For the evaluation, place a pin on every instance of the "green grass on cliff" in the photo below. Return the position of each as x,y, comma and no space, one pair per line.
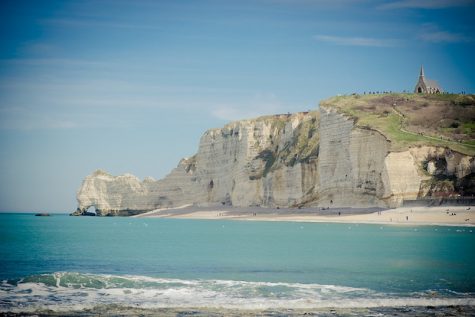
414,119
301,143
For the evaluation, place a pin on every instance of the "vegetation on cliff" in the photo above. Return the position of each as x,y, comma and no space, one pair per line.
302,147
414,119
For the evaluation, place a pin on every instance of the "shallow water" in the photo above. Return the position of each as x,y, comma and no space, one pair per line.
70,263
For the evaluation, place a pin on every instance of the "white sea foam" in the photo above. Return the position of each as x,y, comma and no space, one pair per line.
69,291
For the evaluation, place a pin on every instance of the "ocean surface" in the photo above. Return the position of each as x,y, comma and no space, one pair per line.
64,264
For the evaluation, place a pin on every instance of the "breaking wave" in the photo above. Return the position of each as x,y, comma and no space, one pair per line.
67,291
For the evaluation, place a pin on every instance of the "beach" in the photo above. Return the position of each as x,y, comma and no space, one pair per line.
441,215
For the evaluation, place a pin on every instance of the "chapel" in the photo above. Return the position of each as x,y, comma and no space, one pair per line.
426,86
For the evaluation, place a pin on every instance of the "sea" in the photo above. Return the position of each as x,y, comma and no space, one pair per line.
83,266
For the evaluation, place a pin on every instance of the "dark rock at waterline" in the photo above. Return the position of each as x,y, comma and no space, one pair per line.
108,213
42,214
80,212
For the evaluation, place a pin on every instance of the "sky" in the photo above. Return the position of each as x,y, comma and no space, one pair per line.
129,86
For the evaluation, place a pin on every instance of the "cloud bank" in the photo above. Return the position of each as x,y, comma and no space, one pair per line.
357,41
425,4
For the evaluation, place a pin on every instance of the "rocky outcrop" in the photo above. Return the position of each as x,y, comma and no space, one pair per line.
445,173
288,161
115,195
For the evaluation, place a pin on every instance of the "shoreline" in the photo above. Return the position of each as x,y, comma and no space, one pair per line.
414,216
383,311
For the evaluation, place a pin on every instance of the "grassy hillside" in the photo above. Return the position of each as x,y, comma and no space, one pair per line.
414,119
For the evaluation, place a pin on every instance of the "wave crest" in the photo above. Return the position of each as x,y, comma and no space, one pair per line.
67,291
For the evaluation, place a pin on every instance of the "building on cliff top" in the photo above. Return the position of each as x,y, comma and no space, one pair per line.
426,86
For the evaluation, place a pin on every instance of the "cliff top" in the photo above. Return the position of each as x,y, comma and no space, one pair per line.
278,120
414,119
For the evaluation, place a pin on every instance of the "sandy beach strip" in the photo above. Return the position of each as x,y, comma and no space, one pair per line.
124,311
442,215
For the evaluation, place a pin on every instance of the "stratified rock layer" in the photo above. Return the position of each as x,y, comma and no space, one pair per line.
351,163
287,161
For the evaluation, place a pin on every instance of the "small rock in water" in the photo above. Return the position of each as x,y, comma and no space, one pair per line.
42,214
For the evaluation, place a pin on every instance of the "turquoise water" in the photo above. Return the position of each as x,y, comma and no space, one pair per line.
73,262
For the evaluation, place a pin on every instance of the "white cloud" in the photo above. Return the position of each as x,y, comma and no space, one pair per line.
63,62
258,105
442,36
425,4
431,33
39,48
357,41
20,118
72,22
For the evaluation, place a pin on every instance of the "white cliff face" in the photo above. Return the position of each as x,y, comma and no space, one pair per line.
270,161
402,177
285,161
351,163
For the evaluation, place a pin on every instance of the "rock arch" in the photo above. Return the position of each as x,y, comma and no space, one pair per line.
87,211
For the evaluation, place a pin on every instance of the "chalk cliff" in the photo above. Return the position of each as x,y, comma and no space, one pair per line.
321,158
269,161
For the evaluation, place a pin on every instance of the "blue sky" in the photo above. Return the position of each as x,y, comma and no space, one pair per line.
130,85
